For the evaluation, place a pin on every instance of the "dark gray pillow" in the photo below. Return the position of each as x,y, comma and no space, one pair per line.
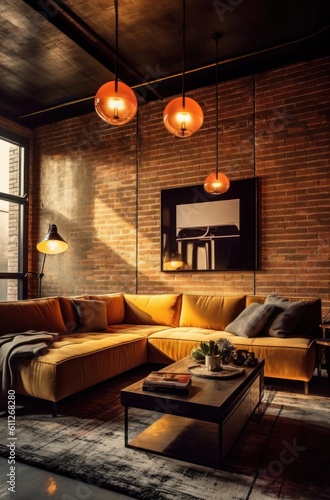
92,315
251,320
286,317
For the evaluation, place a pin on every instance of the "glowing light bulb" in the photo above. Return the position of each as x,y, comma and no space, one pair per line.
183,120
216,183
115,106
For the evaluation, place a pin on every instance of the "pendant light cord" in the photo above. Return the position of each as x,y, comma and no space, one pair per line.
116,46
254,167
216,37
183,51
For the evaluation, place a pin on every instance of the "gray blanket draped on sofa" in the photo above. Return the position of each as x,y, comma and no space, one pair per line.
14,347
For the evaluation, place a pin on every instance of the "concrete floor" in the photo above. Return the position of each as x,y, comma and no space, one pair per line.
33,483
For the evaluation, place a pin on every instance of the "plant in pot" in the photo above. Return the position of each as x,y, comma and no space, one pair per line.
212,356
226,351
222,349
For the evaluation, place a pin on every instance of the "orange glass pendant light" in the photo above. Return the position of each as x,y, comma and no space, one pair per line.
115,102
216,183
183,116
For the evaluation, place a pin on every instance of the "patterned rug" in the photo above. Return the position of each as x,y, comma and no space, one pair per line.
283,452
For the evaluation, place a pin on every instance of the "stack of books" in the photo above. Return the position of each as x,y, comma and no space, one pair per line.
170,382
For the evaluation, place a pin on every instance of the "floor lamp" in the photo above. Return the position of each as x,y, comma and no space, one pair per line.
52,244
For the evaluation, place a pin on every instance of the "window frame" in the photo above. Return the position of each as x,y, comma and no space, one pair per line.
22,201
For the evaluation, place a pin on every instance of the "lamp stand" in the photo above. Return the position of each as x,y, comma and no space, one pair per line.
41,275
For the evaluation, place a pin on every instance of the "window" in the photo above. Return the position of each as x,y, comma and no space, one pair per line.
14,157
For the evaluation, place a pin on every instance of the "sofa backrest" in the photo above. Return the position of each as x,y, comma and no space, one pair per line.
162,309
35,314
115,309
210,311
58,314
310,320
115,305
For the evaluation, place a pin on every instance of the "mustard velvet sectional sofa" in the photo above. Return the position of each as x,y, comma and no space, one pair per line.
101,336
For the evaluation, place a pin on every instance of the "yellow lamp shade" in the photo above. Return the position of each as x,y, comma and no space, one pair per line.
52,243
116,107
183,121
216,183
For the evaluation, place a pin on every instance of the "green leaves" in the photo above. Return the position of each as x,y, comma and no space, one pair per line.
197,353
226,350
209,348
222,347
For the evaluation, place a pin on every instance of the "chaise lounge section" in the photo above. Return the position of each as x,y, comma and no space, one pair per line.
101,336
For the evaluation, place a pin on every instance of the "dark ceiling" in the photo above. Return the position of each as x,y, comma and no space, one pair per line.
54,55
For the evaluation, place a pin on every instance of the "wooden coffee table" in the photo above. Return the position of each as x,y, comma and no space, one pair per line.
200,427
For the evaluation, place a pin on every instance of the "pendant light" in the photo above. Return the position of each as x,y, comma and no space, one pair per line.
183,116
115,102
216,183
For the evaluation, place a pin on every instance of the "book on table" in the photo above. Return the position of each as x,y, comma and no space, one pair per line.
162,381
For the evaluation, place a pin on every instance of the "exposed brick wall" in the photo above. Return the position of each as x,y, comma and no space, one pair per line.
101,186
178,162
85,183
293,163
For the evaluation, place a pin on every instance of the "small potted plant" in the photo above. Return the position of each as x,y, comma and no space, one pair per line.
226,350
212,355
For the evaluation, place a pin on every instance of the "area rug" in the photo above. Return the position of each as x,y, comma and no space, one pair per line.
283,452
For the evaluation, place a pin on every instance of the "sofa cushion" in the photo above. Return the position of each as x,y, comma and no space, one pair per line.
251,320
284,357
115,307
285,317
162,309
208,311
77,361
69,312
34,314
92,315
311,318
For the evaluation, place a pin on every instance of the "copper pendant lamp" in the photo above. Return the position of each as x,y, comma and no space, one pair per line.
183,116
216,183
115,102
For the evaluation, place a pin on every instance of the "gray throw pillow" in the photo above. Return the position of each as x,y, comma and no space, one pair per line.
251,320
286,318
92,315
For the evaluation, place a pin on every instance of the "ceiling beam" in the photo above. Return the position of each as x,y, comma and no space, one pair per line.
66,21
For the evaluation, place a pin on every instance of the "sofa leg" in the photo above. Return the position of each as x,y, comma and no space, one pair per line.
306,388
54,412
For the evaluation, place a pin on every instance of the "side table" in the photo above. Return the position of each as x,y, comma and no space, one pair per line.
324,343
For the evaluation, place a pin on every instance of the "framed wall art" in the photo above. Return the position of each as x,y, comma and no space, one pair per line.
202,232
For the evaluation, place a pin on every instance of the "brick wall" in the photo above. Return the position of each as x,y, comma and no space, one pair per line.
101,186
85,183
